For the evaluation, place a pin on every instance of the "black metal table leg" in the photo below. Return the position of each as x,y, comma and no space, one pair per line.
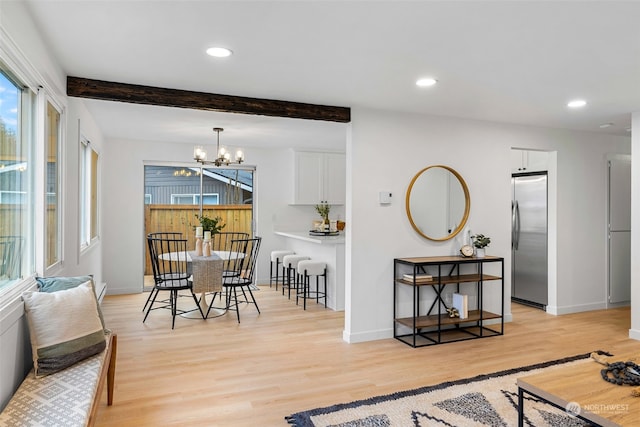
520,407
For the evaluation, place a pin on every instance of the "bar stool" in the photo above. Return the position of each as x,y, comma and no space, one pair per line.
290,265
306,269
276,257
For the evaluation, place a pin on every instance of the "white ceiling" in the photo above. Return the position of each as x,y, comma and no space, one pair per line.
503,61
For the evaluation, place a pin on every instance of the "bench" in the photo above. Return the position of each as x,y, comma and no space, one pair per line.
70,397
74,356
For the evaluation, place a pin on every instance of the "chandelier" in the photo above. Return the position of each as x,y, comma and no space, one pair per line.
223,155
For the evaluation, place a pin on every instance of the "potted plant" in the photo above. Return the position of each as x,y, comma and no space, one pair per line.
323,210
212,225
480,242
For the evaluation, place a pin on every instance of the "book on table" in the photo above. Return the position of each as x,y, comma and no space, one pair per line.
418,277
461,303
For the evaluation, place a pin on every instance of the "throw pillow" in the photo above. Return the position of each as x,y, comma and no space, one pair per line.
52,284
61,283
64,327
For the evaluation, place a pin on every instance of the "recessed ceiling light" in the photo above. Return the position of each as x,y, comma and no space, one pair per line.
577,103
219,52
606,125
426,82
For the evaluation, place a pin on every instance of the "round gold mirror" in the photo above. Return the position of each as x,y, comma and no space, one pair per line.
438,203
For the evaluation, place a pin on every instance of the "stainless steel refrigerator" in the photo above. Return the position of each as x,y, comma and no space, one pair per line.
529,281
619,231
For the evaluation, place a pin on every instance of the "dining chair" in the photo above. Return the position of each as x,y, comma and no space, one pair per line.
159,235
222,241
169,260
165,235
242,259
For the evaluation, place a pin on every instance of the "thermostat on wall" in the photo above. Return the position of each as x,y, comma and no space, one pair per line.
385,197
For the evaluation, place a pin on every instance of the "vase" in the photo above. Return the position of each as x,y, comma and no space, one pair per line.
480,252
198,246
326,225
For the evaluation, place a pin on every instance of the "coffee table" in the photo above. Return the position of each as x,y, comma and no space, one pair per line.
581,391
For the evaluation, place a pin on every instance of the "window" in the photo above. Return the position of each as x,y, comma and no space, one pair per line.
194,199
17,171
52,216
208,199
88,194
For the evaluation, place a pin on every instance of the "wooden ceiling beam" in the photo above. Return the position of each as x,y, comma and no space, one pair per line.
149,95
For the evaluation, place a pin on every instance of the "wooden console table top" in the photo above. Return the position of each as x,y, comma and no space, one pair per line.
600,401
448,259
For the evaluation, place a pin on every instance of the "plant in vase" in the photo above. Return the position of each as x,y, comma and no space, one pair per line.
213,225
480,242
323,210
208,227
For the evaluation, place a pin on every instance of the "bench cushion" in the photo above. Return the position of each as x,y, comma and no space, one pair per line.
64,327
63,399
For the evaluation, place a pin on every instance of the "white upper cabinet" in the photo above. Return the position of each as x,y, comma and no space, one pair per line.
319,178
529,161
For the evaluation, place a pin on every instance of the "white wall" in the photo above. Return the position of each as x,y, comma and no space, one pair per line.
480,152
79,121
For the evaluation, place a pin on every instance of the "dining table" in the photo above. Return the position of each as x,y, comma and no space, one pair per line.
206,274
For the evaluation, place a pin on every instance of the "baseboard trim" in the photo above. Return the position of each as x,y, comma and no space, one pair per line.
367,336
634,334
569,309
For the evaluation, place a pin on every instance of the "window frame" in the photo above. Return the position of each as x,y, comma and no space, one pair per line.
18,69
88,198
57,264
195,198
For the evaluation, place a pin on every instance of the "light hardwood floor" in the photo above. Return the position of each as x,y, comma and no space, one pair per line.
221,373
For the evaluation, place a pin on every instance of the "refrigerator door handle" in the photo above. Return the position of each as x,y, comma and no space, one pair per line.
515,227
513,224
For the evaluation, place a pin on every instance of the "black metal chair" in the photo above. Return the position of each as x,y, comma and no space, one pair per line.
159,235
170,260
222,241
244,254
166,235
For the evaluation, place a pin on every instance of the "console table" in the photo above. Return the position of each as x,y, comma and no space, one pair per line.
433,325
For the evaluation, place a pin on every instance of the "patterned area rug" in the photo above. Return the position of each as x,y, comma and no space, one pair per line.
485,400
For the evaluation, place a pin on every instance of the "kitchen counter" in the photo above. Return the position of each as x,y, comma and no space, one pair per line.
329,249
305,236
